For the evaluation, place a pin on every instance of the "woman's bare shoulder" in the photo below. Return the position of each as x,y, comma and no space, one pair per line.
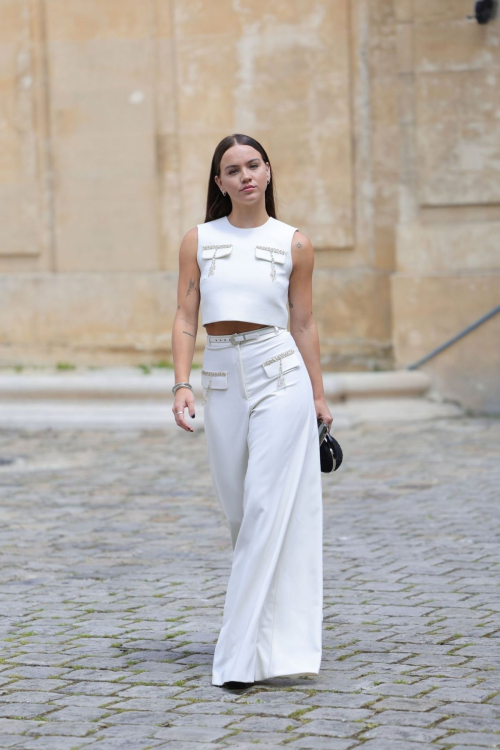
189,242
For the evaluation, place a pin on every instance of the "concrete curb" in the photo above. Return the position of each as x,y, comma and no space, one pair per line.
128,384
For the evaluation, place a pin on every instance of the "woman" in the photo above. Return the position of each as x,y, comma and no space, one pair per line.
262,395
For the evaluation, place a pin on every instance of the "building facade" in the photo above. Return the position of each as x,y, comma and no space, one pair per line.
382,122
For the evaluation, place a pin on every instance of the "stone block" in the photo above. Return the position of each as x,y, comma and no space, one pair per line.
429,310
425,248
457,44
84,20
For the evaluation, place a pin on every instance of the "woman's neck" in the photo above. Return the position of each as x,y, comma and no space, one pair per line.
248,219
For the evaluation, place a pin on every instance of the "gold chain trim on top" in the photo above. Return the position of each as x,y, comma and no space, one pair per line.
214,248
272,250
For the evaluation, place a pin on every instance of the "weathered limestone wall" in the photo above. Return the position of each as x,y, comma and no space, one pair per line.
381,121
448,234
112,111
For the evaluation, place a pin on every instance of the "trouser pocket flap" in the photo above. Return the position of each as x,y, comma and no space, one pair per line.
287,359
214,379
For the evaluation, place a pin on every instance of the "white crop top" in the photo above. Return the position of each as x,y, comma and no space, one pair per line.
245,272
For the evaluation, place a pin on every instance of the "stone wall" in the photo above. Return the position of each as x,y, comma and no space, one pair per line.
381,121
447,271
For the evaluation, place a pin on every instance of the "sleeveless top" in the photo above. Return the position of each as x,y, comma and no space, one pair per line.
244,273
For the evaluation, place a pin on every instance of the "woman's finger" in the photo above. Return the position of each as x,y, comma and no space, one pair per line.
179,413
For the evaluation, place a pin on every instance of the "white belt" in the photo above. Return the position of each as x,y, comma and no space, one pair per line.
234,338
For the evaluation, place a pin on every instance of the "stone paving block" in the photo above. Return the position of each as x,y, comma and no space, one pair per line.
87,701
412,734
340,700
206,720
92,688
405,718
339,714
151,718
329,728
263,724
465,694
25,710
320,743
396,689
269,697
270,739
95,675
18,726
483,739
55,743
29,685
471,723
64,728
9,740
41,672
191,734
31,658
249,709
181,745
136,732
78,713
389,744
35,696
149,691
146,704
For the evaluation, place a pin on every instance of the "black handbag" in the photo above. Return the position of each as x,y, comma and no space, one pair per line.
330,452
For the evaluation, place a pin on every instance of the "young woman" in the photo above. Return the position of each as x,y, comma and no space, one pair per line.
262,395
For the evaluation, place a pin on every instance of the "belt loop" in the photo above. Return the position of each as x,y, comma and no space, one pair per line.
276,330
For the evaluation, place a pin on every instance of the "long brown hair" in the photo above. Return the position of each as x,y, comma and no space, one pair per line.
219,205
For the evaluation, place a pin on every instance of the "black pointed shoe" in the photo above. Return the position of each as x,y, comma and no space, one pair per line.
235,685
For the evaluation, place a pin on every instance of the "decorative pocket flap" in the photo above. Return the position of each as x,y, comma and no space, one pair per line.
268,253
220,251
288,358
214,379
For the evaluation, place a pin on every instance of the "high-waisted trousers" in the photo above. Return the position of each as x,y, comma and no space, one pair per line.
263,450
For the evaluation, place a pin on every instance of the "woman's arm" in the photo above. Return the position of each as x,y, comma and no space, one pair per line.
302,324
185,324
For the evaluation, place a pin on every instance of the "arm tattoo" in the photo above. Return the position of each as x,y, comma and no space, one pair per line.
290,303
298,244
189,334
178,307
191,287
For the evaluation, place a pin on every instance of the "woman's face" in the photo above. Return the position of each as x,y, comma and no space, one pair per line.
243,167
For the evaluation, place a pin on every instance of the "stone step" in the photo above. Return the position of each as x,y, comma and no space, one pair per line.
129,384
137,415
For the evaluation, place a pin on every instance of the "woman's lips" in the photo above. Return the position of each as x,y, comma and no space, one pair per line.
247,189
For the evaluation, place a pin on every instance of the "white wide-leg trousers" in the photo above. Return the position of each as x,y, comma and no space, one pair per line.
263,449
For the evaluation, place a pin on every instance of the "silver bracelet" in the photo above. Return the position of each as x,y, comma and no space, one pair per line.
181,385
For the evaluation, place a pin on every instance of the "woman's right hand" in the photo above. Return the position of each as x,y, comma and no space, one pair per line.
184,399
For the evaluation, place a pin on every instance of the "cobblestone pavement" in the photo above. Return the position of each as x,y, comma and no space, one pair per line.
115,558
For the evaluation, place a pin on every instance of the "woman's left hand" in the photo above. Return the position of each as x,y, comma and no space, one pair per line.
323,412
